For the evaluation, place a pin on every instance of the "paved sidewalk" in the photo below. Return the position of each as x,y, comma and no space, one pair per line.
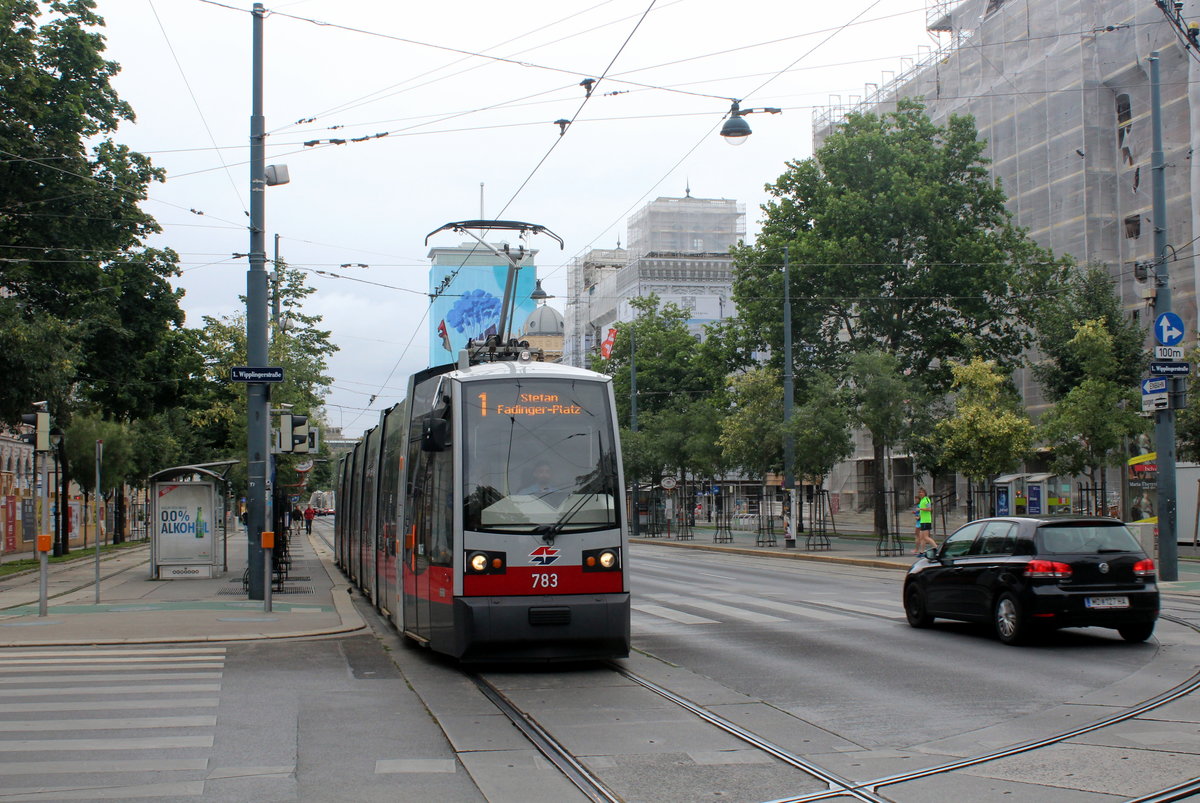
136,609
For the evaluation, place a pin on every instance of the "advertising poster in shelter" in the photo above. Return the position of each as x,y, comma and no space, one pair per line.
183,516
1141,488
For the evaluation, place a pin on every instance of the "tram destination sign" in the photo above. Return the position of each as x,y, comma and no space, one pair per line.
244,373
1171,368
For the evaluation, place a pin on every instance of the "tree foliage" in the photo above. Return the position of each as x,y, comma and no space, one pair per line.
820,428
752,431
678,385
880,397
1088,295
989,432
1088,427
898,240
88,312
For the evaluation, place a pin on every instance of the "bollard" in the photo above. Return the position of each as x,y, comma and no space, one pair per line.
268,545
45,542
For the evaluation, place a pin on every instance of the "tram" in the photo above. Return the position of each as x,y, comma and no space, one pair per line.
484,514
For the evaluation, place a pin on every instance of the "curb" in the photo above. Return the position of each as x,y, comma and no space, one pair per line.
343,605
758,552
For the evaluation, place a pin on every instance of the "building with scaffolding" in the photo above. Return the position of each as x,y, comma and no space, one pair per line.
678,250
1060,91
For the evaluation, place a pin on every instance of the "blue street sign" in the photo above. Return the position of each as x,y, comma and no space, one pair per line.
244,373
1168,329
1171,368
1155,384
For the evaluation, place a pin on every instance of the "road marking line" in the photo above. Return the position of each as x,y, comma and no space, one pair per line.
167,790
44,678
673,615
716,607
66,745
116,723
93,767
62,691
108,705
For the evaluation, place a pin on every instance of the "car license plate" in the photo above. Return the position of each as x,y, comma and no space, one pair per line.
1106,602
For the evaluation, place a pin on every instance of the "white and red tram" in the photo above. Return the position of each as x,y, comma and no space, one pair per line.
484,515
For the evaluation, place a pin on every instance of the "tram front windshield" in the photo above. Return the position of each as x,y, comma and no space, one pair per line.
539,456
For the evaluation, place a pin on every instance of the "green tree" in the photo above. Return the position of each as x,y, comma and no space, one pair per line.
899,240
752,431
676,382
988,431
297,344
87,307
1089,426
881,395
1187,420
1088,295
820,427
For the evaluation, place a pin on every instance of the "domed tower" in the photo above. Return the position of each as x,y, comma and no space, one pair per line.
544,329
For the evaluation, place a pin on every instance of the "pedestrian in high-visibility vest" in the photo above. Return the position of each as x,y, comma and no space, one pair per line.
924,533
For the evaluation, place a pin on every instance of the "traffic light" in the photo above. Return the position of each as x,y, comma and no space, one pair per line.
40,436
293,433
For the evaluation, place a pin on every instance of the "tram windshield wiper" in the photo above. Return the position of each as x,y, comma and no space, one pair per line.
550,531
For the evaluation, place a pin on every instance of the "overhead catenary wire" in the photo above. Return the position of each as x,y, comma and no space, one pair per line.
195,101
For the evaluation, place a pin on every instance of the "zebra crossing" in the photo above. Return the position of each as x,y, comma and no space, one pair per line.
662,611
107,724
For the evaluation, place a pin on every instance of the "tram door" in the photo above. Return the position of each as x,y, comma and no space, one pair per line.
425,472
391,476
368,578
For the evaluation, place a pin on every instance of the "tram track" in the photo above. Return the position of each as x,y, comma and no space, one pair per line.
83,567
837,786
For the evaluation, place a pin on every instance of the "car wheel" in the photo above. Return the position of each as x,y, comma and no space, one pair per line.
1136,633
914,608
1008,621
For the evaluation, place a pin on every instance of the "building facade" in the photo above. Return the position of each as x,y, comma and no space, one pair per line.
678,250
1060,91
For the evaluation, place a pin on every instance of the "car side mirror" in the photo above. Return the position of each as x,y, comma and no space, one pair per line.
435,435
930,553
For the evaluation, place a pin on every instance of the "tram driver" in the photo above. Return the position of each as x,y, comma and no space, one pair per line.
545,486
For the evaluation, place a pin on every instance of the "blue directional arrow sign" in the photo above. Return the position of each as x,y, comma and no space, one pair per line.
1155,384
1168,329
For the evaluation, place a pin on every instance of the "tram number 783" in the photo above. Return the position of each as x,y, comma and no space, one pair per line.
545,580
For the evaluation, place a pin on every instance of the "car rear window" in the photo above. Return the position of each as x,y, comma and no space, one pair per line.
1087,539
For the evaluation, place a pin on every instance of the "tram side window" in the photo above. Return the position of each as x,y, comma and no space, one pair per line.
441,508
432,503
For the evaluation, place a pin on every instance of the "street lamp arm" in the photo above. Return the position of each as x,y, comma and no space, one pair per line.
736,129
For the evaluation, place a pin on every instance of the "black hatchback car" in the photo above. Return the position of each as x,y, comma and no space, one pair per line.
1024,575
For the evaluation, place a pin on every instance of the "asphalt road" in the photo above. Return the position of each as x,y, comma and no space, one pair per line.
815,657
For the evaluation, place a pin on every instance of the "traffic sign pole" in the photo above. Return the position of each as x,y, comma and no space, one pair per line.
1169,331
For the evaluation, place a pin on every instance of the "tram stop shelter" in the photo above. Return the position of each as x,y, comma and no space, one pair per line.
187,511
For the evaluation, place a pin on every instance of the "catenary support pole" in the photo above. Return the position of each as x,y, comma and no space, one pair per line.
633,422
789,392
257,425
99,507
1164,420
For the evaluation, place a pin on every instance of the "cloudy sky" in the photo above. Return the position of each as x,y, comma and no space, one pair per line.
467,94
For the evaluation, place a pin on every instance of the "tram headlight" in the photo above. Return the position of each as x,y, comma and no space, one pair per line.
602,560
482,562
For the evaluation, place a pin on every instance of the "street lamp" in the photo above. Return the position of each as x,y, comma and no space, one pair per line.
736,129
